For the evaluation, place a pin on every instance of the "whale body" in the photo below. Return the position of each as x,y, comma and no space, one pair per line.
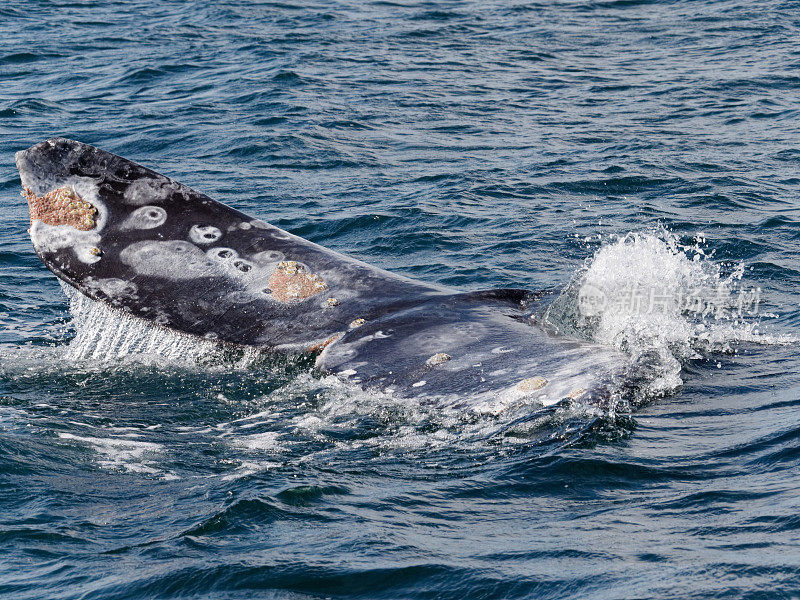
151,248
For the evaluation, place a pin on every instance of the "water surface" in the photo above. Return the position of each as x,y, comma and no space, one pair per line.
472,144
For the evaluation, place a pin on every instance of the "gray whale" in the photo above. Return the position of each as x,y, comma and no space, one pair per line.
141,243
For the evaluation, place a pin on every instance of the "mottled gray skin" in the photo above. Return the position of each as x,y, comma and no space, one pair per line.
174,257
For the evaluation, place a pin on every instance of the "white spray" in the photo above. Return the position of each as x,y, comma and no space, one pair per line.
661,303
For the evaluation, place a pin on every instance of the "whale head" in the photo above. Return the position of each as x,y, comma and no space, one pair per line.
143,243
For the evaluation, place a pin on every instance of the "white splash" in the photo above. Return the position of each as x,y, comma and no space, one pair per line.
661,303
102,333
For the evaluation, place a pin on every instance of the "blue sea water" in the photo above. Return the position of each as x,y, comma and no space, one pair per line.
472,144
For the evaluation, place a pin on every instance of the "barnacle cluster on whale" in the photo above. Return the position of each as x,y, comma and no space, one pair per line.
62,206
291,281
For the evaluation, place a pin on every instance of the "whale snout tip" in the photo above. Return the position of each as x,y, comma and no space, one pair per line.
19,157
44,171
46,160
34,169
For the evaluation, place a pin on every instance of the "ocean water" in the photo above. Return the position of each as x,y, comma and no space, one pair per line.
557,146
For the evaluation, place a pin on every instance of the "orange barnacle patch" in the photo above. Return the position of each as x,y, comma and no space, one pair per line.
291,282
322,345
61,207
